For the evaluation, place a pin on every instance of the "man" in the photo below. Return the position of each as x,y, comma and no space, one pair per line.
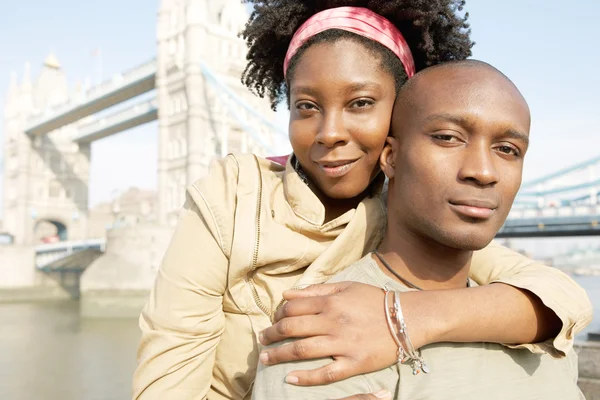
454,161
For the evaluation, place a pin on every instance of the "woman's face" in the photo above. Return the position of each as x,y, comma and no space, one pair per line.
341,101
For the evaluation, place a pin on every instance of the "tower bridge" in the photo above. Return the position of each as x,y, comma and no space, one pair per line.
191,86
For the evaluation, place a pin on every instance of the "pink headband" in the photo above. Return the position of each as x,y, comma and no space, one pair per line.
359,20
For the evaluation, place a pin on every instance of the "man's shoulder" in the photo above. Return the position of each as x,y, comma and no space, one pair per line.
511,373
364,270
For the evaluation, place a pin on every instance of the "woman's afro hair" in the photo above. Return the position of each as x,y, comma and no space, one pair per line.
435,31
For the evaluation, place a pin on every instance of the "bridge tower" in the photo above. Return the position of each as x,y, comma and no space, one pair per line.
46,177
195,123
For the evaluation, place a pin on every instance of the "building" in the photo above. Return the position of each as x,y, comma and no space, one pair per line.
45,178
132,208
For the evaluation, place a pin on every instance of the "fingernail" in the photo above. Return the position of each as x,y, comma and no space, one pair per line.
261,337
264,358
291,379
383,394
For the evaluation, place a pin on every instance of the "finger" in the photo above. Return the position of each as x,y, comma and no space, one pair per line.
301,349
323,289
382,394
340,369
294,327
301,306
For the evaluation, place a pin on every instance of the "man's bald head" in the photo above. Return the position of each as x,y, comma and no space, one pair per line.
476,76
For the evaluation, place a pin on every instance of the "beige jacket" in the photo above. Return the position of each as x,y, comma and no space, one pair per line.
248,231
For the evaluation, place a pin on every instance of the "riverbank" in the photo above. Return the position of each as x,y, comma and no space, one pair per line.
94,304
32,294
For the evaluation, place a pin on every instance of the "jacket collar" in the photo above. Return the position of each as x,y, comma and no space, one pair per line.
305,203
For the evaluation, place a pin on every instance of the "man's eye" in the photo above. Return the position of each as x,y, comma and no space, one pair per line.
511,150
445,138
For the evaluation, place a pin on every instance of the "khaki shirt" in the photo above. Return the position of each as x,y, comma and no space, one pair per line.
461,371
251,229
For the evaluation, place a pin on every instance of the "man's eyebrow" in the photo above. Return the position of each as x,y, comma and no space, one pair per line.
511,133
448,117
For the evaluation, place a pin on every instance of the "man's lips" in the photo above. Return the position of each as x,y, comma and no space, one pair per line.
474,208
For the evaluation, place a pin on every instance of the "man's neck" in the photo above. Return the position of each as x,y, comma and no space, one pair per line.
424,263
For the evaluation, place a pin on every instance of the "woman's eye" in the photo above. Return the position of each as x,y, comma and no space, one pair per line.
305,106
362,103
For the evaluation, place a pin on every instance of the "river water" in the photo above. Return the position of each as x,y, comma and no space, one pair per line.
47,352
592,286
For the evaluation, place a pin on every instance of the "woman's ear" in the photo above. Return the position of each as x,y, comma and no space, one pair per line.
387,160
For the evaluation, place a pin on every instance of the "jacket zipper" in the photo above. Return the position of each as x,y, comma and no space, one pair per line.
257,299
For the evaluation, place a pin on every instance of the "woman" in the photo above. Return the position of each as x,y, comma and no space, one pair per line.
251,229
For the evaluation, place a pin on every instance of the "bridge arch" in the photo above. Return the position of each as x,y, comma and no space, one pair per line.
49,229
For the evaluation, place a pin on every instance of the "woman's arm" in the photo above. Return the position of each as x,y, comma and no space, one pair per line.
559,307
183,319
346,319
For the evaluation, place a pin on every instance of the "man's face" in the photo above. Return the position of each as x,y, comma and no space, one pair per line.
456,159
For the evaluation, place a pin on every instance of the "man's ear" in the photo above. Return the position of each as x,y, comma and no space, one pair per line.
387,160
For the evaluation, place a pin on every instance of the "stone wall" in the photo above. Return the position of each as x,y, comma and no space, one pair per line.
19,280
117,283
17,266
589,369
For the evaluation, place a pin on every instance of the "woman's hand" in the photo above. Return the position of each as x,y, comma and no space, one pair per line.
344,320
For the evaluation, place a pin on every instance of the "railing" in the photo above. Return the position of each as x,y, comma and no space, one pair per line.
252,122
559,212
123,79
50,252
560,173
116,118
572,188
552,222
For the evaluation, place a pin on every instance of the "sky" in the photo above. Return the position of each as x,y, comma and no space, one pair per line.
547,47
